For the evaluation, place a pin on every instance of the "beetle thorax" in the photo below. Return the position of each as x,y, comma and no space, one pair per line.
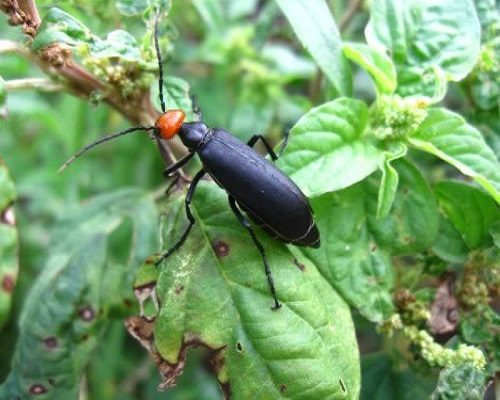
192,134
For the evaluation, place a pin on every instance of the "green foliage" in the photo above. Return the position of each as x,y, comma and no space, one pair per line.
405,193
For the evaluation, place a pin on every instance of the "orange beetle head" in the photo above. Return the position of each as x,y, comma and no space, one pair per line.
169,123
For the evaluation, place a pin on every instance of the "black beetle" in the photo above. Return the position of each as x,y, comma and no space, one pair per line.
253,184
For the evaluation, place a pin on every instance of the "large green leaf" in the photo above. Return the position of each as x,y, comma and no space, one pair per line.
65,312
9,265
213,292
315,27
471,211
328,149
449,137
349,257
426,34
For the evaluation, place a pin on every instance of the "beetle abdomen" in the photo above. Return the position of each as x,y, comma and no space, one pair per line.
267,195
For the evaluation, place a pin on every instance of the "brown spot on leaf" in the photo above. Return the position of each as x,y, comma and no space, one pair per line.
179,289
8,283
342,386
37,389
221,248
50,342
86,313
283,388
239,347
299,265
406,191
373,247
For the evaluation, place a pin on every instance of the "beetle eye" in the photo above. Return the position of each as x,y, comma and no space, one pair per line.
169,123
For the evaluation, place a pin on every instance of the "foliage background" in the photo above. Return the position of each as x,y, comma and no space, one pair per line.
250,75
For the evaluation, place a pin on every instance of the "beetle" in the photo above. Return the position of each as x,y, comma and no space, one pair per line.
253,184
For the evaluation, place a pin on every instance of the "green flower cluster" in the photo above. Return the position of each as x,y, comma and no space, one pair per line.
393,117
440,356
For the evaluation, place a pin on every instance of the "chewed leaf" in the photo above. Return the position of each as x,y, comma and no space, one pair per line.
66,309
213,292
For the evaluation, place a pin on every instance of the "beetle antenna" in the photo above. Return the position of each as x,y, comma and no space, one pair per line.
102,140
160,62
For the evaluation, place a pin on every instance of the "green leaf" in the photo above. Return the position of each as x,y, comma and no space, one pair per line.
60,27
449,244
449,137
213,292
376,63
176,95
427,34
471,211
349,258
328,150
119,44
132,7
389,181
68,306
314,26
9,264
384,380
463,382
412,223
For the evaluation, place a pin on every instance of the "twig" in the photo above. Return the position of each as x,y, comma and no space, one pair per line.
46,85
57,62
354,6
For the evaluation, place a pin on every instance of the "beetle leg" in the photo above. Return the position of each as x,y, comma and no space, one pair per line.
171,169
268,147
248,227
190,217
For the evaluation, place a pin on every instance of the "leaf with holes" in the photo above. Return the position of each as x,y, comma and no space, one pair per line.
328,149
213,292
448,136
68,306
9,263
